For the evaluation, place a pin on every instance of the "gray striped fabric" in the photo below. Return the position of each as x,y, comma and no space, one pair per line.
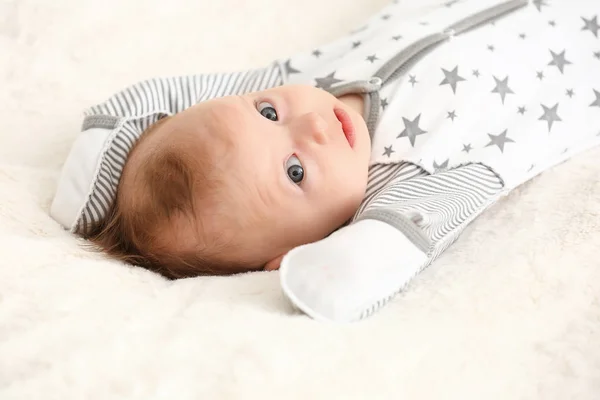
381,175
446,202
129,112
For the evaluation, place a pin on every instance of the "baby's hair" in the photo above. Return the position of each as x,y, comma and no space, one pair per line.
171,184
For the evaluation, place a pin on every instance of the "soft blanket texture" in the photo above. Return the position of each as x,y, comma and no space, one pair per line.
511,311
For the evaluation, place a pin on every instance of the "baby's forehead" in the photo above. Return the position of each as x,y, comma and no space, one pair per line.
227,115
205,124
220,130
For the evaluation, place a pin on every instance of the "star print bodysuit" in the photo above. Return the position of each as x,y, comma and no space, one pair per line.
464,101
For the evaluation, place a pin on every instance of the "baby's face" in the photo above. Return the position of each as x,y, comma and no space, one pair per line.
298,162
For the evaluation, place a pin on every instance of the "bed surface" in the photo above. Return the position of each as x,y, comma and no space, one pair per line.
511,311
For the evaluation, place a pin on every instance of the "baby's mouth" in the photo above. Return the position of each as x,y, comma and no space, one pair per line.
347,126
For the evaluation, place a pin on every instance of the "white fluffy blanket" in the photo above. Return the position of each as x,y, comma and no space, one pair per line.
511,311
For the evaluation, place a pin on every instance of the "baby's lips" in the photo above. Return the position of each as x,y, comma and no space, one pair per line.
347,126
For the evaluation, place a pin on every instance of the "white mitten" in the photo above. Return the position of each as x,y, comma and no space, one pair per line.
347,274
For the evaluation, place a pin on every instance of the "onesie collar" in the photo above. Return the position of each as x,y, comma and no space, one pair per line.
369,89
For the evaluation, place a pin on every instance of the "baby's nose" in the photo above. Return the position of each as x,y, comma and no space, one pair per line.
316,127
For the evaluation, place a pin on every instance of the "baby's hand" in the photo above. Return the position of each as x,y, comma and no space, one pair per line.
344,275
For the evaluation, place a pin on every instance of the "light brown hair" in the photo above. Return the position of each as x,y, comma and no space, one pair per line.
171,186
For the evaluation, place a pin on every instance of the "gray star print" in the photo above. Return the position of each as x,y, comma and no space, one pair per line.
522,110
550,115
372,58
411,129
385,17
289,69
317,53
412,79
499,140
441,166
451,3
596,103
384,103
597,55
397,37
540,75
539,4
570,92
467,148
451,115
522,36
502,88
591,25
491,47
552,23
476,73
327,82
452,78
531,168
559,60
388,150
356,44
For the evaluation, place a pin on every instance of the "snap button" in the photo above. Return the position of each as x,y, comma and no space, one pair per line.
375,81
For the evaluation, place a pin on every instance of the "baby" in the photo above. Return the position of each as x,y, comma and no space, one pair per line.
350,167
232,184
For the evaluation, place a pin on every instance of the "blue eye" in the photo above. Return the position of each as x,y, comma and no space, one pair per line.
267,110
294,169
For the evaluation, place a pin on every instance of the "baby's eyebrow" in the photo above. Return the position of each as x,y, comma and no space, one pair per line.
231,114
246,104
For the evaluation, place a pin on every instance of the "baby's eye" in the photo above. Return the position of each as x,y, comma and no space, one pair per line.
294,169
267,110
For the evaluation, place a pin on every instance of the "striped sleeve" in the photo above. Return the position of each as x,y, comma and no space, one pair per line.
383,175
171,95
432,210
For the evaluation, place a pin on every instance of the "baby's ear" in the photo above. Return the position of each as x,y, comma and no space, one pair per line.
274,263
